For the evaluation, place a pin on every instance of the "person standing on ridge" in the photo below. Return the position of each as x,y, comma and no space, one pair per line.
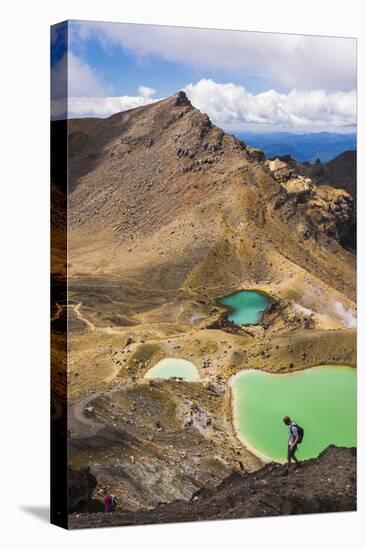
295,436
110,503
107,503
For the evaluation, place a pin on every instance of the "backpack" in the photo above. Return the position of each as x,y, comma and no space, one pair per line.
300,431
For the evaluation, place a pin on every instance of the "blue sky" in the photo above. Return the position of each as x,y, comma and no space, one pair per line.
243,80
126,69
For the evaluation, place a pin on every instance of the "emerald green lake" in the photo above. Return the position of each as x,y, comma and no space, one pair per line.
171,366
322,400
246,306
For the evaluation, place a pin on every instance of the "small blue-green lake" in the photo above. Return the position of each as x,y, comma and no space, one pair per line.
246,307
322,400
171,367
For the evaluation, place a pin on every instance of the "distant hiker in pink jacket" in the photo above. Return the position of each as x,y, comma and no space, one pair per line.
107,503
110,503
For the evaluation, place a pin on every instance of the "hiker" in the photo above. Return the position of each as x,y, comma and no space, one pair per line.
114,502
107,503
110,503
295,436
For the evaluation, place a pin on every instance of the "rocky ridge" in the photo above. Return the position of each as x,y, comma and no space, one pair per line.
324,484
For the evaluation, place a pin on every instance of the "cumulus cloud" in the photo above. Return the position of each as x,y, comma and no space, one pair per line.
145,91
84,106
83,79
231,105
104,106
72,76
293,61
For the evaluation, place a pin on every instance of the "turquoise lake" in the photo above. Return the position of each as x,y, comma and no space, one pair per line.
246,307
323,400
171,366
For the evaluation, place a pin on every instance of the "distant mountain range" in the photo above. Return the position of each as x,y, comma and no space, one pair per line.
302,147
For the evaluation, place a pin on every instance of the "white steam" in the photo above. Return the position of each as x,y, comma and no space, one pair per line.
314,301
347,316
304,310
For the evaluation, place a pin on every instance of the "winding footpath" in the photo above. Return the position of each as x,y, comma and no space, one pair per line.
76,309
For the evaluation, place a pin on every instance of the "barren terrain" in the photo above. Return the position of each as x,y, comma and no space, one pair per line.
167,213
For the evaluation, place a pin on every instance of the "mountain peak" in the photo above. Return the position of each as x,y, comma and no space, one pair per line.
181,98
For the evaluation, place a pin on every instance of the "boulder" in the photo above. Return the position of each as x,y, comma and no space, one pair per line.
81,484
300,187
256,154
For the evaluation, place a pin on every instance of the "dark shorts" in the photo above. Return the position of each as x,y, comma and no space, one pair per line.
291,452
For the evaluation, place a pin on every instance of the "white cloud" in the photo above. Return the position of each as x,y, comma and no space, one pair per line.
58,108
104,106
285,60
89,106
230,105
88,94
81,78
84,80
73,77
59,79
145,91
107,106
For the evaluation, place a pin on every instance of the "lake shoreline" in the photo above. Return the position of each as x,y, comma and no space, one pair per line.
174,367
235,417
261,456
228,309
